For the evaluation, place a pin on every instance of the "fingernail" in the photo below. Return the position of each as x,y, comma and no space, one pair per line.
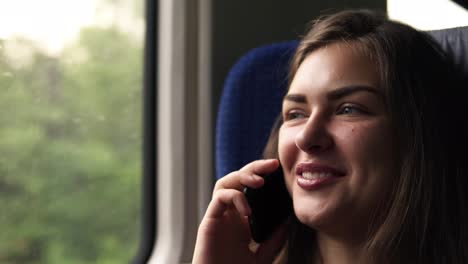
248,211
256,177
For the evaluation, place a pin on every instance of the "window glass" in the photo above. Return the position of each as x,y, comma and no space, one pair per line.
428,15
70,130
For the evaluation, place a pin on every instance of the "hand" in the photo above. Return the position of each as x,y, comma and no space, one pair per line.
224,234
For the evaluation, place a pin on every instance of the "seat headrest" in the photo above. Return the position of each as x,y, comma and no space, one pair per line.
454,41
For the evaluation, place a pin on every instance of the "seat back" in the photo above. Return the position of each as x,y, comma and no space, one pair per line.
250,102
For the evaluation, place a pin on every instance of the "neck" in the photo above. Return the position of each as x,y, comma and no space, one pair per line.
335,250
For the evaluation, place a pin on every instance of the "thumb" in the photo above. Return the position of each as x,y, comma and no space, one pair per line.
268,250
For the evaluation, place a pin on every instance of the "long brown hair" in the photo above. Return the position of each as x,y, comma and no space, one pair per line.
424,220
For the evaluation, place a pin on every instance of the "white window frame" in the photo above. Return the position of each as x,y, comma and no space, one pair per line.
184,127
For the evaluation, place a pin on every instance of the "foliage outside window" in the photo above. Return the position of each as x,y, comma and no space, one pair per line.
70,147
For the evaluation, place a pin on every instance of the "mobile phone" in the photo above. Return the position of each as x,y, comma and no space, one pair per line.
271,205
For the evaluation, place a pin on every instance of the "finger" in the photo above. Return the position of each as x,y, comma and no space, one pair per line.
268,250
225,199
260,167
238,180
248,175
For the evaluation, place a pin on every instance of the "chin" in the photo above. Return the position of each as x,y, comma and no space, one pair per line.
319,211
309,214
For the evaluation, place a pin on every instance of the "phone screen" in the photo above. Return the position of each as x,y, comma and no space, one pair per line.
271,205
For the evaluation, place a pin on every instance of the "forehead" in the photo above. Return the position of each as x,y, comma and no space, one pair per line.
335,65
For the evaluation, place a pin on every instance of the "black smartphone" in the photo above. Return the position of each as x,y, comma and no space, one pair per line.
271,205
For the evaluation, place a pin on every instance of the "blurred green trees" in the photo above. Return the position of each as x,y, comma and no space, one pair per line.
70,151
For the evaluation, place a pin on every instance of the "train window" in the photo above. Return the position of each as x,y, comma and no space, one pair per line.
429,15
70,130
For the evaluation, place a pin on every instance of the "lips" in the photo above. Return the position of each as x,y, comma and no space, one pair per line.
315,168
313,176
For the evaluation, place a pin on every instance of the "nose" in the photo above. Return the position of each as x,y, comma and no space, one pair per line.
314,136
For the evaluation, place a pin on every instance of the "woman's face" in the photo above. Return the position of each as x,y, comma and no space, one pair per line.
336,144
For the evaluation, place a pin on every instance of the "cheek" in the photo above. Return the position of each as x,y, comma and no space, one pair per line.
365,142
369,150
287,150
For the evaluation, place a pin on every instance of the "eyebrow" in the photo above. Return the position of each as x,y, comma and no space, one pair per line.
297,98
335,94
347,90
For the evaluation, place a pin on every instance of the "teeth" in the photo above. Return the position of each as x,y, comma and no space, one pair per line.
315,175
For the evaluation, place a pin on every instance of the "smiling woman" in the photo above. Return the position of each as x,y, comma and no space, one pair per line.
339,155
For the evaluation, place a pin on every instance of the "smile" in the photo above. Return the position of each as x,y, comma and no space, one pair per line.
312,176
315,175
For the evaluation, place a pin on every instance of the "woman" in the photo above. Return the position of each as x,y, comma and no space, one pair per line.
371,142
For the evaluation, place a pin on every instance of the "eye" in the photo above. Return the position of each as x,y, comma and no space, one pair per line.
349,110
294,115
